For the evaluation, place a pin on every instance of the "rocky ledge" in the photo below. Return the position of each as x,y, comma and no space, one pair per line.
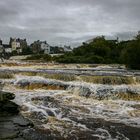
12,124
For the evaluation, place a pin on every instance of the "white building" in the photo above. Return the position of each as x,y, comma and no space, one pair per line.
15,44
45,47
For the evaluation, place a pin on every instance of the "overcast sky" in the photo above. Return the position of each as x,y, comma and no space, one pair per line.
68,21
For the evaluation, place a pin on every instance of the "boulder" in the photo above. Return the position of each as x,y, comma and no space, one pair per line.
9,107
12,127
6,96
12,124
6,105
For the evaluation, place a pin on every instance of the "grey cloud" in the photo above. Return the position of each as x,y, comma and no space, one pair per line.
68,21
126,35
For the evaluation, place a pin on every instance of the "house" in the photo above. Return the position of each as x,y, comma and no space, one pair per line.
36,47
40,47
7,48
15,45
18,45
67,49
45,47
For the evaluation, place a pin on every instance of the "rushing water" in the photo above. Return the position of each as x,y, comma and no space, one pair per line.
77,109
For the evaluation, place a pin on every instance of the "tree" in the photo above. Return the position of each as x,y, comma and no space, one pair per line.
131,54
100,50
26,50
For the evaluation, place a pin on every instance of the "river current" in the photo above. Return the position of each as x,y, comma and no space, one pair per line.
77,101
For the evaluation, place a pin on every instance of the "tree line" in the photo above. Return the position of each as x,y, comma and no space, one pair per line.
103,51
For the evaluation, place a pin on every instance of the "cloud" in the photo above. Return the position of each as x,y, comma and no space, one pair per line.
68,21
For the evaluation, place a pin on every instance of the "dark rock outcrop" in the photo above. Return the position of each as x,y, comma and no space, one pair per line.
12,124
6,96
7,106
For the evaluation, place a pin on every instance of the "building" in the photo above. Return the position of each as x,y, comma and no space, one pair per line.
36,47
7,48
15,44
18,45
40,47
67,49
45,47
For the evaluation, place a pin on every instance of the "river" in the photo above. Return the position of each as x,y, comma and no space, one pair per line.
77,101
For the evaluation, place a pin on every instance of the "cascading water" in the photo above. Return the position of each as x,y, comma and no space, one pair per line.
77,109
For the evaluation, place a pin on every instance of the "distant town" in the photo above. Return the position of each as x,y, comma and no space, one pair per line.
19,46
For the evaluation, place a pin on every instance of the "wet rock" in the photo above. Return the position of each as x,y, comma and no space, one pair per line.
8,130
10,134
6,105
5,96
12,127
18,139
103,92
21,121
136,106
110,129
12,123
38,115
9,107
50,113
33,134
85,91
7,125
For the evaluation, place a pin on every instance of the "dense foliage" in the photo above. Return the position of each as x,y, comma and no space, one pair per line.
100,50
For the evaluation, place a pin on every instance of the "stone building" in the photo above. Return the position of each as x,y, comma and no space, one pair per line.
40,47
18,44
36,47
